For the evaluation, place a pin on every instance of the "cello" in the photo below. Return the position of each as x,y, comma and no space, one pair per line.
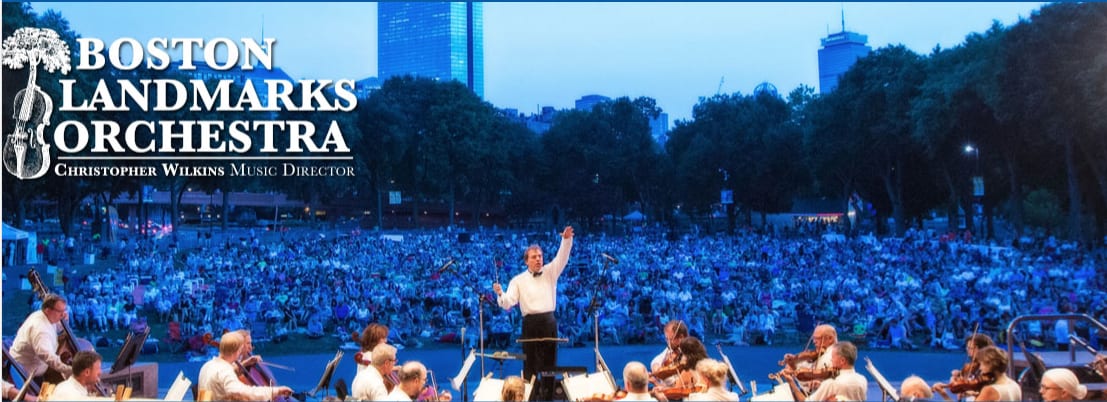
26,153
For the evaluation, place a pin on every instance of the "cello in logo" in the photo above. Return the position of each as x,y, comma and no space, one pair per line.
26,153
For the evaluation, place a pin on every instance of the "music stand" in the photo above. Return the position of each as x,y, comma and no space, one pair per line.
885,386
601,366
594,308
128,354
730,370
325,380
500,356
480,315
459,380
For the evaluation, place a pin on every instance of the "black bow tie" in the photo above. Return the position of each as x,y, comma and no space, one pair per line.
536,274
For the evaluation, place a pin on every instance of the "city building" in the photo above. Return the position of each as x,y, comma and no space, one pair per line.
659,126
586,102
839,52
444,41
257,77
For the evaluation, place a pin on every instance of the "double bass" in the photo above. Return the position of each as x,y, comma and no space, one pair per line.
68,343
26,153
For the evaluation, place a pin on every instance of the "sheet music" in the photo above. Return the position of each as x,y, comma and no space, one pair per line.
733,375
580,387
780,392
468,365
179,388
880,380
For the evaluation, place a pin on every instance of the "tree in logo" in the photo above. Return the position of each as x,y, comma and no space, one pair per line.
26,153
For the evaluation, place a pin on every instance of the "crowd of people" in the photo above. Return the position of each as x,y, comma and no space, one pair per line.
921,290
742,288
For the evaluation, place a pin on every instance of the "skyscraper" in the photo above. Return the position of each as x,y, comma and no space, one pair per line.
839,52
444,41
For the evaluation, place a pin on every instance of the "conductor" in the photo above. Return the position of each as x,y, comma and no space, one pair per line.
535,291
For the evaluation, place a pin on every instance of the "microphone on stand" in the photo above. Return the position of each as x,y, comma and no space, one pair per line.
446,266
610,258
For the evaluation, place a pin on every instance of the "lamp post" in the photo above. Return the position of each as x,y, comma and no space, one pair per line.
726,196
977,185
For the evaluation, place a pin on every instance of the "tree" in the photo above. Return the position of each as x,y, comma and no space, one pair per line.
597,161
877,93
1053,63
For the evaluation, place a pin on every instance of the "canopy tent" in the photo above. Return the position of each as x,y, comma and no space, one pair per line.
19,243
634,216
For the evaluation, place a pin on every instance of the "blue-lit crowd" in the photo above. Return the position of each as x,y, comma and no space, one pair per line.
922,290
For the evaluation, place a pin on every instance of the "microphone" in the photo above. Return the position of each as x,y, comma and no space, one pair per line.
447,266
610,258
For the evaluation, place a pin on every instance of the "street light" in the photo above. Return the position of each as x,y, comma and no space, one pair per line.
977,184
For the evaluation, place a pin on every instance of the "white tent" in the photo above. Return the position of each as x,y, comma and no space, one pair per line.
634,216
19,243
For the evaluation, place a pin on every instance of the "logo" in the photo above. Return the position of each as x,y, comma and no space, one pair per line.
26,153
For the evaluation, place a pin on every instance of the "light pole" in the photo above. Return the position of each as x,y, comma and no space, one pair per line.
977,186
726,196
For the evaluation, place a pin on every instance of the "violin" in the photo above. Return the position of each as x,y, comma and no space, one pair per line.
973,384
26,153
683,392
664,372
431,393
670,366
598,397
804,356
815,374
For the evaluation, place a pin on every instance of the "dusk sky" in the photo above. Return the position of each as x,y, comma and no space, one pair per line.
550,54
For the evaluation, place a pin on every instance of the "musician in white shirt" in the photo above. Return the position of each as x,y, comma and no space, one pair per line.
36,342
849,385
82,384
413,381
368,384
637,382
219,377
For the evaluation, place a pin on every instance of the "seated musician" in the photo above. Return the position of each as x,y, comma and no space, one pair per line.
82,384
374,334
973,343
691,351
36,342
413,381
914,388
637,382
848,385
218,374
514,390
675,331
249,359
713,373
993,366
368,384
824,336
1060,384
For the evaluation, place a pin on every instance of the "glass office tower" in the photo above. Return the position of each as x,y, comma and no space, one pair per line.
839,52
444,41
